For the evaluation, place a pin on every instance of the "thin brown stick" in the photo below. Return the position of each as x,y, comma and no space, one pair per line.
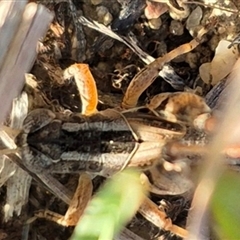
148,74
160,219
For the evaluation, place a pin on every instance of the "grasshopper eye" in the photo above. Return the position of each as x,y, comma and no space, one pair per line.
56,126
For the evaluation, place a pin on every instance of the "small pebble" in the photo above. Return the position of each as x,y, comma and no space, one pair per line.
221,30
213,42
155,23
161,48
96,2
179,14
154,9
176,28
192,59
104,16
107,19
194,20
101,11
204,72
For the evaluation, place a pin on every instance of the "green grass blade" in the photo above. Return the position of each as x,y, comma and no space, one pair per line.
226,206
111,208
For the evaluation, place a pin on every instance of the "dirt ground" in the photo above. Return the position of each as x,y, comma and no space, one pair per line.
113,65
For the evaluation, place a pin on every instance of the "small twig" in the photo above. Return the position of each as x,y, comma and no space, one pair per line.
166,72
160,219
148,74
